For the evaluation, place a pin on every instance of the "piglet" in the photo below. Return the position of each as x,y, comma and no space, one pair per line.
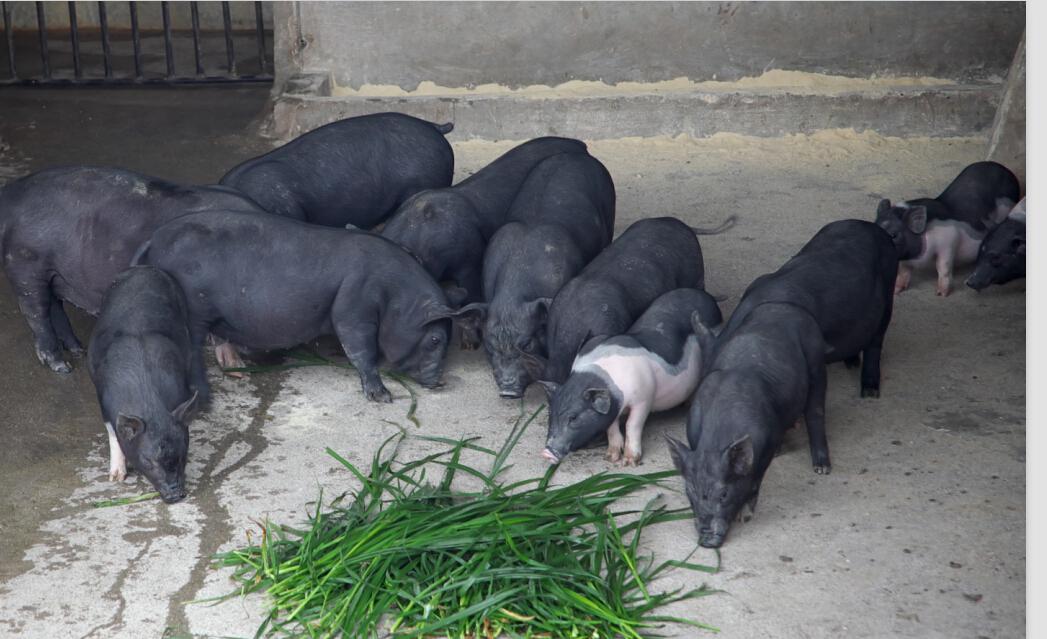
946,231
1001,257
654,367
139,360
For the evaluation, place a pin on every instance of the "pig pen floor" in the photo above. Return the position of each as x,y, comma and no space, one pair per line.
918,532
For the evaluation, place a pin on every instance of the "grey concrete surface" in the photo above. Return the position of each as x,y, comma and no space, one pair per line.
918,532
1007,140
465,44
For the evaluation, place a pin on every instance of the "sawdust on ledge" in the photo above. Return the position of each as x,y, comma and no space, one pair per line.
774,80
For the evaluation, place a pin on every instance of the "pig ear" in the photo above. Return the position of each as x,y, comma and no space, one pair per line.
740,456
706,337
185,411
883,207
599,398
129,426
533,364
466,313
551,388
679,452
916,219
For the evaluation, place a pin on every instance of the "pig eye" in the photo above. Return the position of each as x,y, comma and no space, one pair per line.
527,346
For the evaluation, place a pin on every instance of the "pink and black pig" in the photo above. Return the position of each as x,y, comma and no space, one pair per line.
1001,257
832,301
653,367
947,231
354,171
66,233
267,282
448,229
148,382
561,219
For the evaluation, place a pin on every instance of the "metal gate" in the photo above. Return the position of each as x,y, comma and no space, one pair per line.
22,68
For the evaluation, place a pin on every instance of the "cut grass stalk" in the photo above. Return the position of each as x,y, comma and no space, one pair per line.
123,501
417,558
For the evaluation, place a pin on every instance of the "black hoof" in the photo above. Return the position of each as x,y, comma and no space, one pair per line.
870,392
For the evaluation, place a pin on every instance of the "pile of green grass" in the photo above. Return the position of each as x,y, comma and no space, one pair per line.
521,559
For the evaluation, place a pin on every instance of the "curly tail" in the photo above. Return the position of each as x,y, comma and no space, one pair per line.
726,225
445,128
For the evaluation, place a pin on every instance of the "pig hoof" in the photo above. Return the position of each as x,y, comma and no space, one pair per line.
76,350
613,455
379,395
630,461
853,362
870,392
117,474
822,470
60,366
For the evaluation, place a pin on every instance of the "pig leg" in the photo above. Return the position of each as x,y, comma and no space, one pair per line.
614,442
814,416
228,357
360,342
871,366
197,368
904,275
634,433
944,265
35,301
117,461
63,329
853,362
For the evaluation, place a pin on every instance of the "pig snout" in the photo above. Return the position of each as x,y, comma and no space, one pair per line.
978,280
550,456
172,493
510,388
711,535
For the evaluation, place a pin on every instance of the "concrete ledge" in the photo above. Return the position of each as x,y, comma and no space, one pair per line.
943,111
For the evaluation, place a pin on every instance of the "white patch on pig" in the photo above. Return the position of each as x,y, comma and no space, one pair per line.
644,377
117,461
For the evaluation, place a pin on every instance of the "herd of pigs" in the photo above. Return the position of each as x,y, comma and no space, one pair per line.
355,230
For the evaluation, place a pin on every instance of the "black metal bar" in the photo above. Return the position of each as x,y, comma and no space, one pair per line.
9,35
107,53
118,81
260,30
74,37
165,10
41,25
136,39
230,57
194,9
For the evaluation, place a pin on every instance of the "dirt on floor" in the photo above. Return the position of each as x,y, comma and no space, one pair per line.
918,532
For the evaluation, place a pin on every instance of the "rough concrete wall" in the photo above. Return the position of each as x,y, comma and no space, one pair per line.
1007,143
458,44
56,15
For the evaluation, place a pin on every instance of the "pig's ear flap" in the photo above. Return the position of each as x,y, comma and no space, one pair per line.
679,452
471,316
129,426
916,219
704,333
540,308
883,208
470,312
551,388
599,399
185,411
740,457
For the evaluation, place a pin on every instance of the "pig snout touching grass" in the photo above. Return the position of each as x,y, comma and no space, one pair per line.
266,282
448,228
147,379
654,367
1001,257
66,233
947,231
768,370
651,257
354,171
561,219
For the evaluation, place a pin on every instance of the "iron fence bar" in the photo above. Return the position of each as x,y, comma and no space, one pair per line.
230,57
157,81
136,39
260,31
168,48
9,35
41,24
107,54
74,38
194,9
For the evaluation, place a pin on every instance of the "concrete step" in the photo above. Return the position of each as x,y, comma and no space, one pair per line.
905,110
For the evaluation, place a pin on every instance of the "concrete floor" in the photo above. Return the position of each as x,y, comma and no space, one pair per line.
918,532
